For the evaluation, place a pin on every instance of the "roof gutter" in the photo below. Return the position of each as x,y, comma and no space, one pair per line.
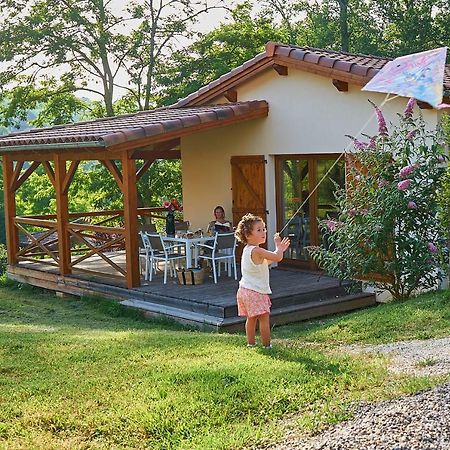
53,146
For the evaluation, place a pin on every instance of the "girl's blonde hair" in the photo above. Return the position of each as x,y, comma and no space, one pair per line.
245,227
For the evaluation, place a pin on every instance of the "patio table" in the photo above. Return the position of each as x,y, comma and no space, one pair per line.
189,243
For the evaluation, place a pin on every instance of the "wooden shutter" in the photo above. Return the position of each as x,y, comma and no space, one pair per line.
249,187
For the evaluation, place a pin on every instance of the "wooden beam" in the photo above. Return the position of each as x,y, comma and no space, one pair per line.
12,235
231,95
115,172
46,155
341,86
62,216
33,166
157,150
50,172
143,169
164,154
281,70
69,176
16,174
131,225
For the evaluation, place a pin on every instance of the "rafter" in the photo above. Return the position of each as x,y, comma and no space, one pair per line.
341,86
231,95
280,69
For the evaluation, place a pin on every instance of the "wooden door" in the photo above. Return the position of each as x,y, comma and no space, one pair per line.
248,186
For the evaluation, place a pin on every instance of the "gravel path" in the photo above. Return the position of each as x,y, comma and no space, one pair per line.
416,422
429,357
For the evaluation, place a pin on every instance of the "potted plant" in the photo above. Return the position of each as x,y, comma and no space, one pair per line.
171,206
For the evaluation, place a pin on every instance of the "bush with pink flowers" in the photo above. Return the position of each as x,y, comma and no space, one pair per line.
387,232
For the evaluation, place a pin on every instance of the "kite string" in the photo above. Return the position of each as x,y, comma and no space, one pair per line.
386,99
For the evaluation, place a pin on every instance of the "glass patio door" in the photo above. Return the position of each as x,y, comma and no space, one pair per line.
296,178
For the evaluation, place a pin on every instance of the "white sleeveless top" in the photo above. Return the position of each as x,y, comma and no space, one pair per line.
254,276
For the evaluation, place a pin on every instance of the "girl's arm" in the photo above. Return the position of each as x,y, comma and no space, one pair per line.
281,245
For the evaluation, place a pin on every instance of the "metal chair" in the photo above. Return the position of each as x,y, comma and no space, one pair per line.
222,249
156,250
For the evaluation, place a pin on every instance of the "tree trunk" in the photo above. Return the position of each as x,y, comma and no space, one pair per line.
343,25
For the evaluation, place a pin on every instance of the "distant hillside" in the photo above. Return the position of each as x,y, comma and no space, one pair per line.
23,125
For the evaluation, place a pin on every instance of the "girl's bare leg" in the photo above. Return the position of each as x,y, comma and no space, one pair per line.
264,329
250,330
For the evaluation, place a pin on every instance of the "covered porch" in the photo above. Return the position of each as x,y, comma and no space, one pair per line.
97,252
126,146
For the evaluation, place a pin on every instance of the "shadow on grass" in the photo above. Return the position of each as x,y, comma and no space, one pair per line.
22,303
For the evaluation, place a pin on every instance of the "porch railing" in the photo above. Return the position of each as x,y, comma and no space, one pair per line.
89,232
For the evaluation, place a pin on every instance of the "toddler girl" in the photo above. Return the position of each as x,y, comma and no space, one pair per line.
253,294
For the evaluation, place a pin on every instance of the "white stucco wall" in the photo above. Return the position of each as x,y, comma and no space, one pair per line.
307,115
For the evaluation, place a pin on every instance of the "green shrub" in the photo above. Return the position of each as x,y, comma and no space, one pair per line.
3,259
387,232
444,190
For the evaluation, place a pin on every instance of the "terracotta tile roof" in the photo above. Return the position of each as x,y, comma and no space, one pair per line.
358,69
110,131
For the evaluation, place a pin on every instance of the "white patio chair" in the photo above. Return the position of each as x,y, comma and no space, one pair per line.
155,251
222,249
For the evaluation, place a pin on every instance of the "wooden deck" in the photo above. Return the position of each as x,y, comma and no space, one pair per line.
296,295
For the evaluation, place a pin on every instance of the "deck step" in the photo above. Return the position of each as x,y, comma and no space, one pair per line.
180,315
279,316
298,299
322,307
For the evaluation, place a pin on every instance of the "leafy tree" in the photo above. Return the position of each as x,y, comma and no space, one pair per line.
72,36
388,28
163,25
346,25
36,195
289,14
407,26
216,53
53,102
162,181
2,209
91,45
387,231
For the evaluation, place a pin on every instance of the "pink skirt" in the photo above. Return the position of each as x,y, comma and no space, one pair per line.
251,303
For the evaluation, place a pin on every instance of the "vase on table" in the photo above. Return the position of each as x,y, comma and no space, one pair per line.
170,223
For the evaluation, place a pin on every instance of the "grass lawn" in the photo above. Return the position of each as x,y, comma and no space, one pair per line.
88,374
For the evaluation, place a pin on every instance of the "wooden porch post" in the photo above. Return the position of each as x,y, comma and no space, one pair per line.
62,216
130,218
12,236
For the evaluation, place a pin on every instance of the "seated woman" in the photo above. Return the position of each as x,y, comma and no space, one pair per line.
220,225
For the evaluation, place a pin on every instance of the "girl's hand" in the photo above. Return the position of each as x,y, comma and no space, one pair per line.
282,244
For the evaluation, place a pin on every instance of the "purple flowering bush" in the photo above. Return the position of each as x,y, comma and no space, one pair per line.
444,191
388,233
